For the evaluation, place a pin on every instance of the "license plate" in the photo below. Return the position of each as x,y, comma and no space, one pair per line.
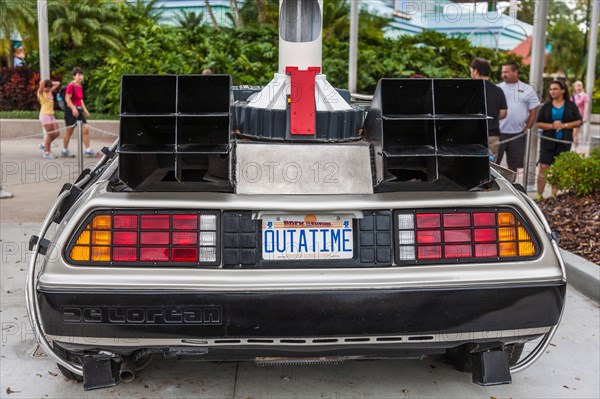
307,237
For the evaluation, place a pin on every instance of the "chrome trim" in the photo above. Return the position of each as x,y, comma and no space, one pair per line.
419,339
30,294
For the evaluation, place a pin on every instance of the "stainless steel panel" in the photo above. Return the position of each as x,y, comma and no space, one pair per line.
303,169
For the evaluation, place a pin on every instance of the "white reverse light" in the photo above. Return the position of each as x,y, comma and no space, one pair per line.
406,237
208,254
406,221
208,222
406,252
208,238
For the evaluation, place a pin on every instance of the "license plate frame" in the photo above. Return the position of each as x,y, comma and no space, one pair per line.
307,237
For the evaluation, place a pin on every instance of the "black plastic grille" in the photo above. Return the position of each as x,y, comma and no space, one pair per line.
375,238
241,239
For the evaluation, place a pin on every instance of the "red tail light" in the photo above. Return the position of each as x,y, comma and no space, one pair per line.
463,236
131,238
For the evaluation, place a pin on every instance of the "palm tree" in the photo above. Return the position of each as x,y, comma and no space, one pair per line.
146,9
235,12
86,22
211,15
17,17
336,18
189,20
259,12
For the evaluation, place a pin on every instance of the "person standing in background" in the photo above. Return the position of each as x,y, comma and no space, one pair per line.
76,111
558,117
522,104
495,102
581,99
46,99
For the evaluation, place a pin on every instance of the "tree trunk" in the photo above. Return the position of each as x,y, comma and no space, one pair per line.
261,11
235,13
212,16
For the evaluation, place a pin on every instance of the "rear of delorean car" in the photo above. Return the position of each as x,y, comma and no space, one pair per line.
300,231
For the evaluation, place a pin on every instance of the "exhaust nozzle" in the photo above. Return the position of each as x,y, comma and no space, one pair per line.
127,370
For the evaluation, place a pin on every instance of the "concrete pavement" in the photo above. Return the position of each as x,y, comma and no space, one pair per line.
34,181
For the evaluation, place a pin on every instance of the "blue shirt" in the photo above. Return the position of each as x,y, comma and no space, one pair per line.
557,115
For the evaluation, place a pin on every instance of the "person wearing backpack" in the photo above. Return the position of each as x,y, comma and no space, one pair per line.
60,98
76,110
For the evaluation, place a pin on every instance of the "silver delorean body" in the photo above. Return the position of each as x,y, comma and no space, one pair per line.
386,300
287,224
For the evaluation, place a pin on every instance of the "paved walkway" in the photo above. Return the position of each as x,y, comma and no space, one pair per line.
34,181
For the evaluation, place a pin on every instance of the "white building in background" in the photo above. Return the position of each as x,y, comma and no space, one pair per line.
469,18
484,24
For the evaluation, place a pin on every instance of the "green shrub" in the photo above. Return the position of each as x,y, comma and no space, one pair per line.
575,172
596,98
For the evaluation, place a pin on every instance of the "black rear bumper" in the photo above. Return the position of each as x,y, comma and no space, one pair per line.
281,314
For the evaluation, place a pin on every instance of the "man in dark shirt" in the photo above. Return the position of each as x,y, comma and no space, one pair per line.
495,102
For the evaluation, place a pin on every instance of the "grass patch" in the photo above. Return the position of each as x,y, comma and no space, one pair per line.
60,115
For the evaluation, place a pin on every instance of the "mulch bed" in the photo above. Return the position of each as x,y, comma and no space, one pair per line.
577,220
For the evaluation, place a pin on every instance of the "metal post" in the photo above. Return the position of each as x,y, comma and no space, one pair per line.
591,67
42,12
80,145
353,59
513,9
536,80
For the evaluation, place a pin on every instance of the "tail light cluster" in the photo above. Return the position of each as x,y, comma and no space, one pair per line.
462,236
147,238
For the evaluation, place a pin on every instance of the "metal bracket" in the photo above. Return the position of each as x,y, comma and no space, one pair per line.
491,367
74,193
43,244
554,236
106,151
99,371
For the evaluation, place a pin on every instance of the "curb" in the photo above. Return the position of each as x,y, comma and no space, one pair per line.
582,274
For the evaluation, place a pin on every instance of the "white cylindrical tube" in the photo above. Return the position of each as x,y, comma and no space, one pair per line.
300,34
